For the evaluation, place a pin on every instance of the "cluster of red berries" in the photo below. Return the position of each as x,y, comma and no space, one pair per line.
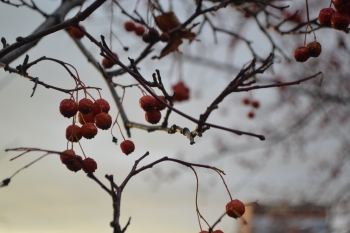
337,19
74,162
254,104
131,27
182,91
152,108
303,53
91,115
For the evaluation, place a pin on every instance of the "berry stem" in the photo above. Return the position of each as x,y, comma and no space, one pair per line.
116,119
223,180
82,149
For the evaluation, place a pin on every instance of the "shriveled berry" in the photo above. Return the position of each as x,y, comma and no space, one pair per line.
153,34
68,108
90,164
251,114
147,103
146,38
325,16
235,208
301,54
75,165
246,101
153,116
108,63
85,106
73,134
164,37
139,30
89,130
76,33
340,21
314,49
159,106
65,159
256,104
127,147
100,105
86,118
129,26
182,91
103,121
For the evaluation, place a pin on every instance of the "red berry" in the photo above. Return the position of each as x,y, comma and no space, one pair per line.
251,114
147,103
73,134
108,63
340,21
139,30
301,54
129,26
65,159
90,164
314,49
159,105
89,130
297,18
86,118
218,231
153,116
342,6
100,105
75,165
68,108
246,101
85,106
182,92
103,121
76,33
127,147
255,104
325,16
204,232
235,208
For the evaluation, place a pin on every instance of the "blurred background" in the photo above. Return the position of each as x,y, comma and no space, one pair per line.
299,175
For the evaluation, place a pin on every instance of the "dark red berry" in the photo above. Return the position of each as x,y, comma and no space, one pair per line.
246,101
68,108
182,91
100,105
251,114
66,159
325,16
164,37
235,208
108,63
89,130
147,103
129,26
301,54
146,38
153,116
139,30
85,106
340,21
342,6
90,164
159,106
75,165
86,118
314,49
256,104
73,134
127,147
103,121
76,33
